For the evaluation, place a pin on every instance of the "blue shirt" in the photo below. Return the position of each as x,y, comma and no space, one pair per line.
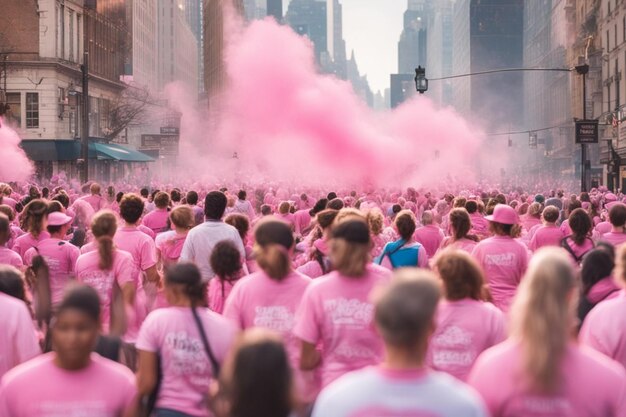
400,254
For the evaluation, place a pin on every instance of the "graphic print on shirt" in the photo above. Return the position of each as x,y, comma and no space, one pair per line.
75,408
352,313
187,356
543,406
101,281
378,411
277,318
500,259
453,348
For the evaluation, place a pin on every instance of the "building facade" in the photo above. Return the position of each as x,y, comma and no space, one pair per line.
413,40
439,51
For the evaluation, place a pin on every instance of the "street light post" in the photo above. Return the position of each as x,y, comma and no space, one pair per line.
85,131
583,70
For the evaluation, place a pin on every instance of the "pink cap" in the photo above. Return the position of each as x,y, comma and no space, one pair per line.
610,197
504,214
58,219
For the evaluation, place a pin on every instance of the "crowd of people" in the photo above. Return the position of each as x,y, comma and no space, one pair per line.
286,302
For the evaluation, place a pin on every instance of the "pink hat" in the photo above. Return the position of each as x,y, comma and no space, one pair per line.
503,214
610,197
612,204
58,219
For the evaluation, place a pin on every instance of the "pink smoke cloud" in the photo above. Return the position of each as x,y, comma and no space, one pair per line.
15,165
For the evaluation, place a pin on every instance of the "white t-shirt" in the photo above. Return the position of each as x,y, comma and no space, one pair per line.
380,392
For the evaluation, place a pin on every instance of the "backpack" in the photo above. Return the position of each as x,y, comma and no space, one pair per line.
577,259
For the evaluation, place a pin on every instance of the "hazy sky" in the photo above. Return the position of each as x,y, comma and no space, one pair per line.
372,28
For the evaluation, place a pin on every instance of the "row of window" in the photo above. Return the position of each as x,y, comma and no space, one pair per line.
14,100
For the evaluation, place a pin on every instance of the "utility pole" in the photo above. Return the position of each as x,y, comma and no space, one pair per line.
85,131
583,70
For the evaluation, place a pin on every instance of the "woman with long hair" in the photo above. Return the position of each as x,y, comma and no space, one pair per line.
596,275
579,242
318,262
227,265
169,245
502,258
270,297
460,227
71,380
404,252
32,221
466,325
185,343
109,271
540,370
336,310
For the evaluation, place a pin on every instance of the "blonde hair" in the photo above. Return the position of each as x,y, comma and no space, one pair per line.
350,213
182,217
542,317
349,259
375,221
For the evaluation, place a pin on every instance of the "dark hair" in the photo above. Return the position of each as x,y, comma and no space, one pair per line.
405,223
319,206
144,192
192,198
226,262
5,229
103,227
335,204
551,214
573,205
331,196
274,239
32,217
118,196
83,298
215,205
175,195
617,215
461,223
131,208
239,222
242,195
186,274
580,223
55,207
597,264
161,200
266,210
63,199
262,380
12,283
471,206
461,275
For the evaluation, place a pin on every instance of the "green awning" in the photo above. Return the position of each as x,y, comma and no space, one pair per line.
116,152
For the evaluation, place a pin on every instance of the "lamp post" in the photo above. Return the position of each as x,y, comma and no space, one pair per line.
421,82
583,70
85,130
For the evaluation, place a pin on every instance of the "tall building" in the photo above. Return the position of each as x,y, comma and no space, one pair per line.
214,29
275,9
413,40
439,50
176,43
142,67
359,82
193,15
488,35
402,88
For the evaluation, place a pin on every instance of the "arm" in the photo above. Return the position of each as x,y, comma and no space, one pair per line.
147,372
310,357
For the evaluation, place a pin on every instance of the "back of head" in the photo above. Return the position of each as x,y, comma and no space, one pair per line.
192,198
326,218
144,192
131,208
242,195
617,215
266,210
260,383
5,229
471,206
460,222
405,224
534,210
375,221
319,206
182,217
542,317
215,205
427,218
7,211
551,214
580,223
63,199
175,195
461,275
94,188
186,276
103,227
596,265
283,207
225,260
12,282
405,311
335,204
161,200
33,215
274,239
239,222
350,247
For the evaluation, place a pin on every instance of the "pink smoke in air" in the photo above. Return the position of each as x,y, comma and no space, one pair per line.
14,165
286,122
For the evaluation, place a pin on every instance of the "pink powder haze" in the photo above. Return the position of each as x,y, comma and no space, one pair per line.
15,165
287,122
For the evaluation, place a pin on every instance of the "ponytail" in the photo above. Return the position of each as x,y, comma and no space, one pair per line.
274,259
105,250
187,275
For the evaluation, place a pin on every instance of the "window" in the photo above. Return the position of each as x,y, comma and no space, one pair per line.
32,110
71,18
608,42
14,100
615,33
624,29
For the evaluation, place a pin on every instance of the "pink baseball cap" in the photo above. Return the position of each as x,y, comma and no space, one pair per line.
610,197
503,214
58,219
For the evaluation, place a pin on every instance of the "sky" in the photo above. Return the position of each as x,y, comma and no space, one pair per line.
372,28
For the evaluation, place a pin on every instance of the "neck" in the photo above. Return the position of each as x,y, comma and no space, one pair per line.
618,229
131,224
59,235
403,358
181,230
72,365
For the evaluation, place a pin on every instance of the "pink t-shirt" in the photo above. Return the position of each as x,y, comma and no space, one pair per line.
302,221
504,261
337,311
466,245
604,328
615,239
170,245
311,269
61,258
95,201
27,241
88,272
547,235
430,237
530,222
218,294
579,250
592,385
89,247
480,225
465,328
9,257
157,220
103,389
187,372
18,341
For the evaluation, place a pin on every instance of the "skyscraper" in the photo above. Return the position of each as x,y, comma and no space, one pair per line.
275,9
413,40
193,15
439,50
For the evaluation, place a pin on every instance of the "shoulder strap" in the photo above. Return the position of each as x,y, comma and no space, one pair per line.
388,254
214,363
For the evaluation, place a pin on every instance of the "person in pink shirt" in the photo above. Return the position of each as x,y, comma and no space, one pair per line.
617,217
226,262
429,235
33,221
502,258
156,220
169,244
7,256
317,255
402,385
243,206
187,341
604,327
270,297
108,270
579,242
18,340
94,198
15,230
596,276
480,226
284,214
460,227
60,255
532,217
466,326
571,207
71,380
540,370
242,224
336,311
549,234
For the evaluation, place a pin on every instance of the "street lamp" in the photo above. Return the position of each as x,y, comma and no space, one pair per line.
421,82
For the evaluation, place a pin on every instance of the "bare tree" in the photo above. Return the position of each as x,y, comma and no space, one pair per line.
130,107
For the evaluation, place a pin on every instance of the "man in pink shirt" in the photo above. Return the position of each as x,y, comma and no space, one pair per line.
156,220
18,341
549,234
94,198
617,217
429,235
